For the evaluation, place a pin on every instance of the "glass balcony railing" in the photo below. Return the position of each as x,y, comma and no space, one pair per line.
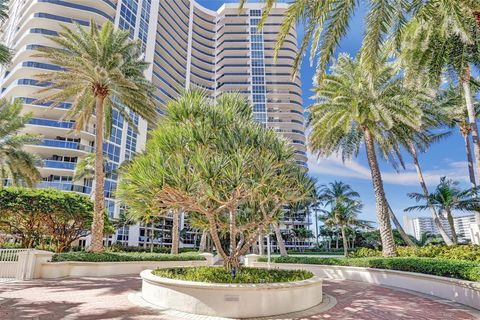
59,164
52,123
65,186
66,145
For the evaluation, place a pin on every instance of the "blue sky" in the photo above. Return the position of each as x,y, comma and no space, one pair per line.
446,158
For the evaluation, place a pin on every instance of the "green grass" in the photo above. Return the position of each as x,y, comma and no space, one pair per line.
123,256
466,270
244,275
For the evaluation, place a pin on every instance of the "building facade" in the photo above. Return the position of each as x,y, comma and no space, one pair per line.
419,225
187,46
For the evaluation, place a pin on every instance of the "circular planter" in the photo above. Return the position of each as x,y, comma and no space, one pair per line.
231,300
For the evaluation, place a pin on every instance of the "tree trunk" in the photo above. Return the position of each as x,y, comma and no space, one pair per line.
399,227
468,149
452,226
216,240
337,236
175,231
388,245
203,241
280,243
261,249
152,238
97,224
472,119
232,231
345,242
436,218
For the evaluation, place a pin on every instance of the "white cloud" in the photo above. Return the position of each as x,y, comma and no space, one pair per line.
334,166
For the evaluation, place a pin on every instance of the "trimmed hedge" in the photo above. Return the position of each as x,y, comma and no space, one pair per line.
466,270
244,275
119,248
458,252
123,256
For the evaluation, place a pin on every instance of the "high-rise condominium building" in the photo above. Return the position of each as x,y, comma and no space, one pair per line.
186,45
420,225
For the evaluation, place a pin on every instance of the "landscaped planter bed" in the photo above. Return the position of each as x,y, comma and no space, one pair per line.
233,300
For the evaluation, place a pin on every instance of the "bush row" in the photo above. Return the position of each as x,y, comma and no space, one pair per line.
120,248
459,252
244,275
466,270
123,256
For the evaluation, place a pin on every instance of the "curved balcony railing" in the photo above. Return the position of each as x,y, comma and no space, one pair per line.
65,186
66,145
52,123
59,164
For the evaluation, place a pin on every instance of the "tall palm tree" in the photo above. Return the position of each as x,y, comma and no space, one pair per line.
431,48
343,215
5,53
326,22
102,70
452,101
15,163
350,110
448,197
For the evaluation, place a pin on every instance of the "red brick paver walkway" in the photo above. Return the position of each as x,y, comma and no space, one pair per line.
107,298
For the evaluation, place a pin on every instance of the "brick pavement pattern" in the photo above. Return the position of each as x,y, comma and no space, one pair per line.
107,298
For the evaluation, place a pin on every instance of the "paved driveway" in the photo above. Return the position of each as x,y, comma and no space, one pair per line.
108,298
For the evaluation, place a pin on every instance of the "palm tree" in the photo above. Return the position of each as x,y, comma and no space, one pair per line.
15,163
452,101
5,53
326,22
102,70
343,215
446,198
431,48
350,109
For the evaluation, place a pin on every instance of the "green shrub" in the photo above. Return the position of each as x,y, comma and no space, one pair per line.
123,256
244,275
316,253
120,248
458,252
459,269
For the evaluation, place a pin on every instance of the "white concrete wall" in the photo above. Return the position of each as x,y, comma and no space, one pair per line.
461,291
231,300
39,266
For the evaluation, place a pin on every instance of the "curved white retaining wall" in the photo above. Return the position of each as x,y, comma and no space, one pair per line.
52,270
461,291
231,300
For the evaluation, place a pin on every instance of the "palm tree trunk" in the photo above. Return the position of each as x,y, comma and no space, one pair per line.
337,236
472,119
203,241
468,149
345,242
233,232
152,238
400,229
388,245
97,224
421,179
452,226
175,231
280,243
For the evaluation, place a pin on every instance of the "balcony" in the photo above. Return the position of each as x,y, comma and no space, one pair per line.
52,123
65,186
66,145
59,164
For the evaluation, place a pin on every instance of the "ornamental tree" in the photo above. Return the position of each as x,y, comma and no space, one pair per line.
45,216
211,159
